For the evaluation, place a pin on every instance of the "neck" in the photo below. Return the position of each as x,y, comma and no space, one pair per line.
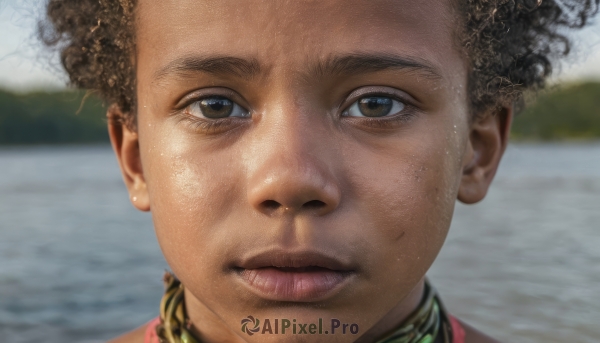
208,327
395,316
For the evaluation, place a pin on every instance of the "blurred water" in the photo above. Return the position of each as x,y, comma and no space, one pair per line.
524,264
79,264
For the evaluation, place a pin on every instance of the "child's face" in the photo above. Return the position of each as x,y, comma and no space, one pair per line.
294,172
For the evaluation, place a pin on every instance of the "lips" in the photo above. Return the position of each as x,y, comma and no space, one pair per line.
304,276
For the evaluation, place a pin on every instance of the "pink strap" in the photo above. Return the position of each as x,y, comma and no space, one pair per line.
150,336
458,333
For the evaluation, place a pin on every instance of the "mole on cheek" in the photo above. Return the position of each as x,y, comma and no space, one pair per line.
399,236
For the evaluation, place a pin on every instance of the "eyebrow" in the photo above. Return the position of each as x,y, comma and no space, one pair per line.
348,64
218,65
362,63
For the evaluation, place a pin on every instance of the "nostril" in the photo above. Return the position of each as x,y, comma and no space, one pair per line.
271,204
314,204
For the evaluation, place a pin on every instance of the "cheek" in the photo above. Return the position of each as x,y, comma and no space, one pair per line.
190,194
408,199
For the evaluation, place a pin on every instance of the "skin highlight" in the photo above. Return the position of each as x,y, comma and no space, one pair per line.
296,174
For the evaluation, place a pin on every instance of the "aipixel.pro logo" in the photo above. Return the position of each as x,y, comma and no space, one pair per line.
252,325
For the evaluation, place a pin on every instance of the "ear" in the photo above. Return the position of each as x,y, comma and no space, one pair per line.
125,143
487,142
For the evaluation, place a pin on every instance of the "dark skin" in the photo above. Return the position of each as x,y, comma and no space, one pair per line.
346,134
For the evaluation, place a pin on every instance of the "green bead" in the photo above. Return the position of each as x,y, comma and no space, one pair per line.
186,337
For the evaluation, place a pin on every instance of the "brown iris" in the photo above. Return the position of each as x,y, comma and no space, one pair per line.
375,106
216,107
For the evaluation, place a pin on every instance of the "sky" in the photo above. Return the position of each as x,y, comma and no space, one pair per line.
24,65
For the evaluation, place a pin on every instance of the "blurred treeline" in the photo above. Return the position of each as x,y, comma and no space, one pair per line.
51,118
570,112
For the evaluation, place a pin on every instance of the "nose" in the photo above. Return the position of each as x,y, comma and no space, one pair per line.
291,175
291,185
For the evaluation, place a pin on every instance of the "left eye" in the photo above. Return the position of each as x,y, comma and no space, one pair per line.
216,107
374,106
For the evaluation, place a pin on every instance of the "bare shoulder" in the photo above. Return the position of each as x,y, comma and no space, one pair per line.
473,335
135,336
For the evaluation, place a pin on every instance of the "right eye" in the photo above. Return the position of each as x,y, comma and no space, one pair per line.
374,107
216,107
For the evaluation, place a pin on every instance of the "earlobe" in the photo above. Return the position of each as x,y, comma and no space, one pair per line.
488,139
125,144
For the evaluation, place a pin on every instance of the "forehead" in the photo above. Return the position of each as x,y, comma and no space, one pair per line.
289,34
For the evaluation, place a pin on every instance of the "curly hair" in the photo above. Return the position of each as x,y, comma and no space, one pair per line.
96,40
510,45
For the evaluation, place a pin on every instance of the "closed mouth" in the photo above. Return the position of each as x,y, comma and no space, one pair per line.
298,277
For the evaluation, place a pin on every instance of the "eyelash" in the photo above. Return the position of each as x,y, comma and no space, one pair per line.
390,122
219,125
205,126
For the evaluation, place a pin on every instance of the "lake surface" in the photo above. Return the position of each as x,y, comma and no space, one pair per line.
79,264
